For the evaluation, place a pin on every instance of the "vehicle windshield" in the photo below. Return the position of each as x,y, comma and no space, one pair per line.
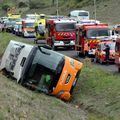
111,45
83,13
29,25
94,33
60,27
45,69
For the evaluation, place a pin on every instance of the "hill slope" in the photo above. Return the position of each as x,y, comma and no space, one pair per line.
107,10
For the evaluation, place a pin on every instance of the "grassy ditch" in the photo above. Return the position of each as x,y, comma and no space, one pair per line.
98,92
18,103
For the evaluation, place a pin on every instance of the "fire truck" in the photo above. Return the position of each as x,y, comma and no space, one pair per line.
90,35
100,54
61,33
42,69
117,53
28,28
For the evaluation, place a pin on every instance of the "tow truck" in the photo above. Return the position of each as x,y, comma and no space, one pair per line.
40,68
117,53
91,34
61,33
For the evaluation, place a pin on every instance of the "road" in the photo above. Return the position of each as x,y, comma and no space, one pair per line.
72,53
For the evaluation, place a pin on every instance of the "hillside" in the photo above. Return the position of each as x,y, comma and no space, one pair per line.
97,93
107,10
18,103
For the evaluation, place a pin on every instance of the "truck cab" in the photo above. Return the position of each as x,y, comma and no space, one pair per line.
61,33
28,28
91,34
40,68
117,53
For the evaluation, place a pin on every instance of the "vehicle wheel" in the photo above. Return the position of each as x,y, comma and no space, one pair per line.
101,62
95,59
118,69
79,54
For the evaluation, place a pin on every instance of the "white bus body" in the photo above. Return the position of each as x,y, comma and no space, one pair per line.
80,15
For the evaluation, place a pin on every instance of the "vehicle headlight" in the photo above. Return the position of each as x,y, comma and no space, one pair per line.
61,93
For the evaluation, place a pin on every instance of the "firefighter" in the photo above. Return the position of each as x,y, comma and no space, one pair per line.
107,53
86,48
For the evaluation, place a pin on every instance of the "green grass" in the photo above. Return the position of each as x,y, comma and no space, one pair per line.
6,37
17,102
98,91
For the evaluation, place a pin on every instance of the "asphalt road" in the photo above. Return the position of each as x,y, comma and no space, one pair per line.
72,53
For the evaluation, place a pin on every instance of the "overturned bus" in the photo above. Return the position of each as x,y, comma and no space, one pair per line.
40,68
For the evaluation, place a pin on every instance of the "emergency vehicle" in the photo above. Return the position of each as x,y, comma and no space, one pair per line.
40,68
12,19
117,53
61,33
40,20
28,28
100,54
18,28
89,35
80,15
32,16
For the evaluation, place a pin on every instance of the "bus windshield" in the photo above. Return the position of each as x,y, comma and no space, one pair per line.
44,72
83,14
65,27
96,33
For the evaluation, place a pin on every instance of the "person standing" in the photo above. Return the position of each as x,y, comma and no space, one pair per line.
107,51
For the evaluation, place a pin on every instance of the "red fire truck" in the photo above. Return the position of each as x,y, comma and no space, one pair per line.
117,53
90,35
61,33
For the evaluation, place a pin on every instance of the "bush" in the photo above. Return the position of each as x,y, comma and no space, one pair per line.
5,7
22,5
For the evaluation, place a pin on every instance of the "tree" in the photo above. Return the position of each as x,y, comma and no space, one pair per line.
53,2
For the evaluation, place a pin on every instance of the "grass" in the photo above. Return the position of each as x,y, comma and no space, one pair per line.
98,92
17,102
6,37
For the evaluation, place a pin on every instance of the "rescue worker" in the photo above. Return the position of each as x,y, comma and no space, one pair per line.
41,29
107,51
86,48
